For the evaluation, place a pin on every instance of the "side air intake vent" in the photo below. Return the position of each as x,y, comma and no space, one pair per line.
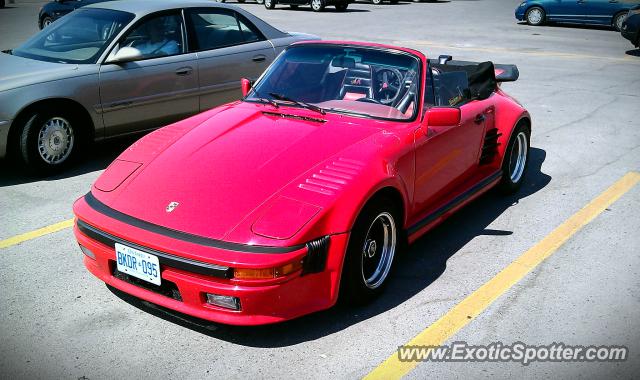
490,146
316,258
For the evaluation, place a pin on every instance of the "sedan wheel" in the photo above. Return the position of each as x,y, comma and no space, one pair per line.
317,5
260,1
46,21
535,16
376,2
49,141
618,20
372,248
269,4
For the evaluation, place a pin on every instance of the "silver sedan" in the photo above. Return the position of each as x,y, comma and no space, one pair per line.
121,67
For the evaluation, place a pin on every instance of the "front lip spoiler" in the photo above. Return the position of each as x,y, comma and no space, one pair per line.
184,236
164,258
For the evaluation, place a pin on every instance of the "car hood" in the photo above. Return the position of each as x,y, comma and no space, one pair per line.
18,72
223,170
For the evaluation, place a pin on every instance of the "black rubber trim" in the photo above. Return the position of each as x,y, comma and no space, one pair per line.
454,202
164,258
184,236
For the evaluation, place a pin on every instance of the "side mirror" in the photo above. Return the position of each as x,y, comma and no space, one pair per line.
125,54
443,116
246,85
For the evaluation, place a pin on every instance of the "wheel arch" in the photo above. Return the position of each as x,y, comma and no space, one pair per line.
86,126
525,119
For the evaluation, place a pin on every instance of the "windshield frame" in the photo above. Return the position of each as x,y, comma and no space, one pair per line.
417,109
127,18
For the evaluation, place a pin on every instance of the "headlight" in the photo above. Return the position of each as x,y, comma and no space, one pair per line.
523,4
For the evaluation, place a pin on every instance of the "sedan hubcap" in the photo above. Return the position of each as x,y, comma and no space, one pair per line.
378,250
55,140
535,16
518,159
316,4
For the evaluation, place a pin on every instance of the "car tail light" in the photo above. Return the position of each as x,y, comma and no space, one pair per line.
227,302
267,273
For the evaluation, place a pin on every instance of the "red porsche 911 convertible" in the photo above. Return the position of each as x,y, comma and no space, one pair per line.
271,207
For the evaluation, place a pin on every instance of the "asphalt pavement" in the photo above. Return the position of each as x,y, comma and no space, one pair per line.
582,88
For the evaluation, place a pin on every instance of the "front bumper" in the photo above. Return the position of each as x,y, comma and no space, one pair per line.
182,290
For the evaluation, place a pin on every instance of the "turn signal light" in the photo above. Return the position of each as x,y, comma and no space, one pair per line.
267,273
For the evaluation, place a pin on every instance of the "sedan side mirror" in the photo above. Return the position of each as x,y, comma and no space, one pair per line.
246,85
443,116
125,54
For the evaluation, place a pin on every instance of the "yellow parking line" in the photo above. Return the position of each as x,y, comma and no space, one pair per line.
469,308
37,233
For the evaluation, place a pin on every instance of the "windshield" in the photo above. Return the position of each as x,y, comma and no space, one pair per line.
360,81
79,37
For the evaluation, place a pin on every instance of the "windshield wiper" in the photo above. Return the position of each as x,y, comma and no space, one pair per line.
265,100
301,104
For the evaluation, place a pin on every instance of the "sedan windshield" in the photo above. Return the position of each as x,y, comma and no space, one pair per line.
360,81
79,37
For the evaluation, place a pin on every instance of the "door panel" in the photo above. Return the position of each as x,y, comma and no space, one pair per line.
158,88
566,10
229,47
148,94
446,156
221,70
602,11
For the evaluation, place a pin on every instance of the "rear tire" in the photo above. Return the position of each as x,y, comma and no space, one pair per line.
516,159
50,140
1,3
535,16
260,1
269,4
373,244
46,21
376,2
618,19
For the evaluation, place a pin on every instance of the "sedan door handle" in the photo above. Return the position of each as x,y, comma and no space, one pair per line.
184,71
479,119
259,58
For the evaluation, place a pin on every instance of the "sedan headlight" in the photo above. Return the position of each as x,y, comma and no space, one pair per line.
523,4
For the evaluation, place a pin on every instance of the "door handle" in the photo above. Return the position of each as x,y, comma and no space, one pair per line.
479,119
259,58
184,71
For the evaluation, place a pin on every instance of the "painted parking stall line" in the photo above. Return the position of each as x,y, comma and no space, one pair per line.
6,243
472,306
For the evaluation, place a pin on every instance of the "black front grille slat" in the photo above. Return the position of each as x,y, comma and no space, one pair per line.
164,258
166,288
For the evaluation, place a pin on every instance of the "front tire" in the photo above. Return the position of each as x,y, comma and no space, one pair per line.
50,140
516,159
46,21
535,16
373,244
376,2
269,4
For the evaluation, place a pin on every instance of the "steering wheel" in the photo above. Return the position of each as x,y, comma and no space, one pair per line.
387,87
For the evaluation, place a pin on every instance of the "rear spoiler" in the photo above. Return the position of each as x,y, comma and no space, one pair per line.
504,72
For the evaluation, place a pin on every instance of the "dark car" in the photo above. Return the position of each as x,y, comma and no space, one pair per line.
631,26
594,12
316,5
53,10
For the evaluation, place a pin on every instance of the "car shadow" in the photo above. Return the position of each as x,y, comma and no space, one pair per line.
633,52
98,157
421,265
572,26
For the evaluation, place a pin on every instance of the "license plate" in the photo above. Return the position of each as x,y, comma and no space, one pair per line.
137,263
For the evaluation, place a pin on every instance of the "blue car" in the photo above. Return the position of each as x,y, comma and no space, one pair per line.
593,12
53,10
